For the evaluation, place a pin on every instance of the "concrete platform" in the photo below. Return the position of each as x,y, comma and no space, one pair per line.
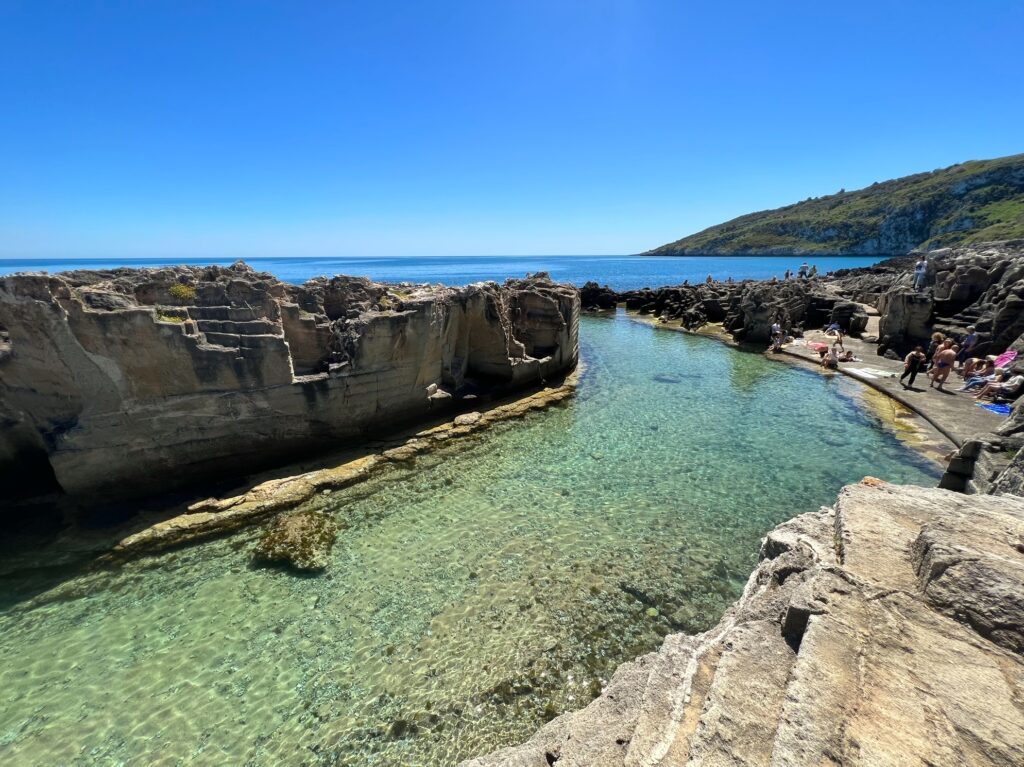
953,413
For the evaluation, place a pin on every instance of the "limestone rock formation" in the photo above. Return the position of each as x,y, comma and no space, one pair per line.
133,380
884,631
976,285
301,540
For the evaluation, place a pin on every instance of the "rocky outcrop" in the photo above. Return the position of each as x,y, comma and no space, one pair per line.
977,285
745,309
884,631
129,381
301,540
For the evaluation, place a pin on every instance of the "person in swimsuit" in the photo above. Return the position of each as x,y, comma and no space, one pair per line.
933,347
943,366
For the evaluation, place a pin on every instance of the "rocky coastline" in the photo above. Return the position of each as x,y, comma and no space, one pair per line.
123,383
888,629
885,630
980,286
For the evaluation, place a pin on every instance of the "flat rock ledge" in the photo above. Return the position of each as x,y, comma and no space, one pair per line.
887,630
216,516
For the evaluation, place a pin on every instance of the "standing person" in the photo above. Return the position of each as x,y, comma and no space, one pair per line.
933,347
802,271
777,336
789,273
912,364
709,280
814,271
943,364
967,345
920,271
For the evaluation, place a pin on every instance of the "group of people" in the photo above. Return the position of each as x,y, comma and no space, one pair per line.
981,375
806,271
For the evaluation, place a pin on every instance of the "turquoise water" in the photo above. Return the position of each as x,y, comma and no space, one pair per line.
472,596
621,272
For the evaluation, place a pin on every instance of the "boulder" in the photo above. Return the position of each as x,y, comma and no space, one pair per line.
301,540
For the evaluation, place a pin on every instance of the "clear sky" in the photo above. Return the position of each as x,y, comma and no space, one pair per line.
443,128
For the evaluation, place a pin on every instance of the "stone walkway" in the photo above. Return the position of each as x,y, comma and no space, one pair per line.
953,413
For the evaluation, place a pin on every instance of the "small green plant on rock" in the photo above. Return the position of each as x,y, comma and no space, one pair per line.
165,317
182,292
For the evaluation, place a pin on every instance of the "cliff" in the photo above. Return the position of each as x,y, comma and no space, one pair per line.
975,201
133,381
883,631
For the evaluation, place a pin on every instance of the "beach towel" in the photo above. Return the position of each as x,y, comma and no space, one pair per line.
1006,358
999,409
817,346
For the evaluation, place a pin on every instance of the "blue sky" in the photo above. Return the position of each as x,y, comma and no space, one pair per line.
444,128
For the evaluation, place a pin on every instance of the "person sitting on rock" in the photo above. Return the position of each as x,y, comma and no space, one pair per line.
813,271
709,280
912,365
968,344
830,360
1008,388
943,364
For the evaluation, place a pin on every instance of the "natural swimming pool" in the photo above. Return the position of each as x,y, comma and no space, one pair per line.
475,593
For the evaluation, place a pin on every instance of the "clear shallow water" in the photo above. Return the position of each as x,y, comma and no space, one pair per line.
620,272
472,596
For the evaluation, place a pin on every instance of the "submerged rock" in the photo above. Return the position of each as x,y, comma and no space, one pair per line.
301,540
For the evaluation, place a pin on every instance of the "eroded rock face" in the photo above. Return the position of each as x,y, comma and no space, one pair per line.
884,631
133,380
979,285
302,540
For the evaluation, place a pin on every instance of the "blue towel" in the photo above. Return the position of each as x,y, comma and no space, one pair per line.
1000,409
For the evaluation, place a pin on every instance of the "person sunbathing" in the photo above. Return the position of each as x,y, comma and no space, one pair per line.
1008,388
979,366
981,377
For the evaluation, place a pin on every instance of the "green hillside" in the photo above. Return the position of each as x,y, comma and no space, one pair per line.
975,201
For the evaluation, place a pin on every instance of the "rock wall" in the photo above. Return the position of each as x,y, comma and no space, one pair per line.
130,381
884,631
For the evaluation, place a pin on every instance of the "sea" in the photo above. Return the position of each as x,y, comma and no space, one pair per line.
618,272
